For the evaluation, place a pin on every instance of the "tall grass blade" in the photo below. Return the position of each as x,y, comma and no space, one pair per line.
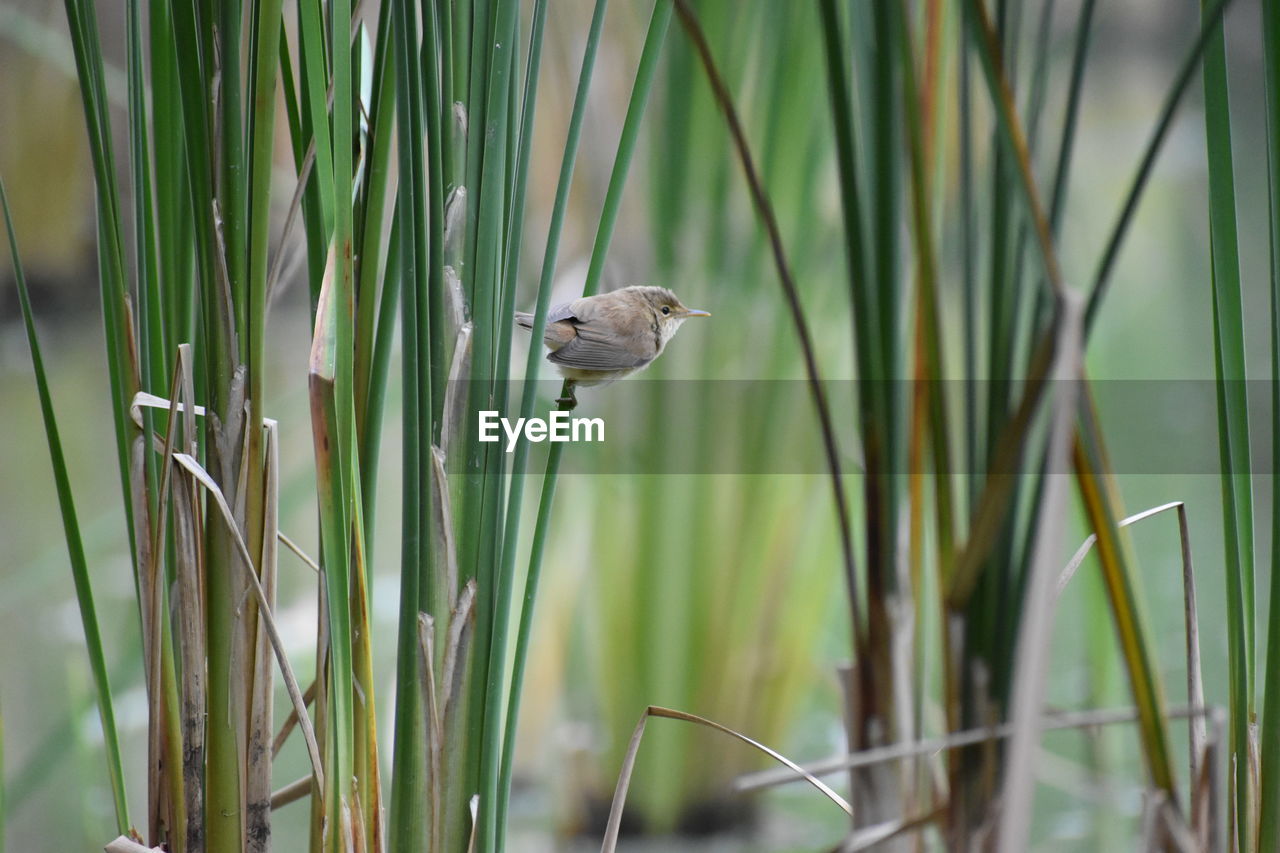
1091,465
1032,662
689,20
408,825
1269,758
533,364
1233,427
75,545
332,472
841,107
1210,20
86,45
1013,137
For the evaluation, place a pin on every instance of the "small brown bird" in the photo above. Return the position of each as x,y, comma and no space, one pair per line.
597,339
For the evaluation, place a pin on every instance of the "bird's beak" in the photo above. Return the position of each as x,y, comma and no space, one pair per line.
694,312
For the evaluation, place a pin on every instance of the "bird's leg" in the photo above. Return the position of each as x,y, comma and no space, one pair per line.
570,399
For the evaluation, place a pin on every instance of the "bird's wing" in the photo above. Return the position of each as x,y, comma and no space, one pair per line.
565,311
590,349
561,325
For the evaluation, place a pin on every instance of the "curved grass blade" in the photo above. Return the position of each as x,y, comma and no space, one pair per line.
1055,721
75,547
633,751
689,19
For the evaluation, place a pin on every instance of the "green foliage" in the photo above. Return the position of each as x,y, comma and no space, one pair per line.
75,547
900,238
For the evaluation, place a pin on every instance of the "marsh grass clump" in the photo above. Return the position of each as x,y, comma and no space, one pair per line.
871,192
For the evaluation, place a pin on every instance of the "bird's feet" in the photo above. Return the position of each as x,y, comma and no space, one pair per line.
568,400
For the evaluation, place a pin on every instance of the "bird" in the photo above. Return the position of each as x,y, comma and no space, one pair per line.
597,339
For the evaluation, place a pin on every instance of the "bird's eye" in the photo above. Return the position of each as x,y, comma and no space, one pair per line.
666,309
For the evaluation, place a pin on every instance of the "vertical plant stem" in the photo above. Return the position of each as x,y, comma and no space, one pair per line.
1233,428
1269,758
533,364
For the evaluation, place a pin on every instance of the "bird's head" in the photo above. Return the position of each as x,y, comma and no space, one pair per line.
667,309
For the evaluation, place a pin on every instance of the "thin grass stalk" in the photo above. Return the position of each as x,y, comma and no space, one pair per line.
1269,757
645,75
927,406
482,481
1091,464
882,435
164,741
1013,138
1210,18
173,249
968,263
856,258
929,332
1070,116
485,281
266,37
446,137
315,127
497,770
218,341
344,568
407,826
307,148
330,347
1233,428
1038,605
379,368
188,568
368,779
521,149
86,46
248,238
223,30
533,365
166,736
1146,688
261,694
479,34
366,240
150,309
75,545
375,310
1016,316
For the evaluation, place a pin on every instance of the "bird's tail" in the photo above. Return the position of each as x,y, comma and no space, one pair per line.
524,320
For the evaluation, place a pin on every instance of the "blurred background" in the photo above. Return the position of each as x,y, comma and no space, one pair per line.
719,594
